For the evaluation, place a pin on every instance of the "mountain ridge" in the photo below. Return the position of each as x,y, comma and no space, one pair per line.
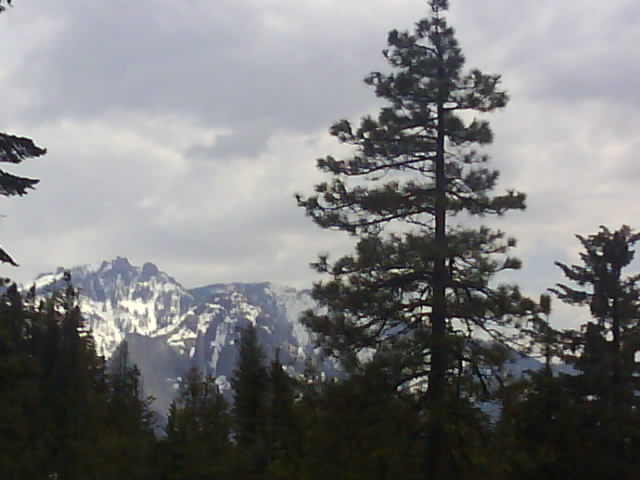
170,328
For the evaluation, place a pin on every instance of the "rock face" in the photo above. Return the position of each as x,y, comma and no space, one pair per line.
169,328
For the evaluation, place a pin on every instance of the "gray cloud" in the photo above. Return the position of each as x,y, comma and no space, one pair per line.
247,142
567,52
248,66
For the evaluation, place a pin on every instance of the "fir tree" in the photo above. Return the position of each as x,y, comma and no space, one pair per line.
281,429
72,389
126,441
249,383
127,401
61,416
417,291
198,429
20,441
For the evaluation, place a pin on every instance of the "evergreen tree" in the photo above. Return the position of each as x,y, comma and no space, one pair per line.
417,291
52,389
72,388
14,150
605,350
610,343
20,443
128,405
538,434
282,435
61,416
126,441
357,427
249,382
198,428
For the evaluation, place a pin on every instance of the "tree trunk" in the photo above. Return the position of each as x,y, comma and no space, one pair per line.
437,376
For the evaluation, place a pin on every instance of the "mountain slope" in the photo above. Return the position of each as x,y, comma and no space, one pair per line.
169,328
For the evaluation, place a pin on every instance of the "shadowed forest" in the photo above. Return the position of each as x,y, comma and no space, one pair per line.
417,316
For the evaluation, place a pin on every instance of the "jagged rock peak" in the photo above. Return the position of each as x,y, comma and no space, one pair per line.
112,269
149,270
119,265
170,328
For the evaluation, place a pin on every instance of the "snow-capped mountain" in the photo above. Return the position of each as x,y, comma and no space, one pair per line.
169,328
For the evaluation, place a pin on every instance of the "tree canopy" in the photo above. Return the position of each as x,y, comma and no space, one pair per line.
418,291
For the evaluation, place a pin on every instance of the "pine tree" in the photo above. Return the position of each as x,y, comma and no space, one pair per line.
14,150
417,291
611,342
604,350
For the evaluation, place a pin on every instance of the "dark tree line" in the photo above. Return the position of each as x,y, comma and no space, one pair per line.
66,414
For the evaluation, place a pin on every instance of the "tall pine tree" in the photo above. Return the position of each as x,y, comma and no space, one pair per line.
417,291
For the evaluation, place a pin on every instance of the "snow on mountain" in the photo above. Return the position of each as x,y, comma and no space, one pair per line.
169,328
118,299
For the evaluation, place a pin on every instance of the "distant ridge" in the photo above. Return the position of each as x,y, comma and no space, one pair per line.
169,328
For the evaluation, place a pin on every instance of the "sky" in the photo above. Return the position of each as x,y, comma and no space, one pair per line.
178,131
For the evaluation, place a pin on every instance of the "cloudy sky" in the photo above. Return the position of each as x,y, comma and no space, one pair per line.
179,130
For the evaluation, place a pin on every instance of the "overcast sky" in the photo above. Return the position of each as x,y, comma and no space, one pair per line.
179,130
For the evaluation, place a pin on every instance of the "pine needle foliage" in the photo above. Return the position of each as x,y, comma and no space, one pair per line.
419,289
414,285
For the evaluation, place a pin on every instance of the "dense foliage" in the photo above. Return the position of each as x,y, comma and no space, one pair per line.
66,414
420,290
63,412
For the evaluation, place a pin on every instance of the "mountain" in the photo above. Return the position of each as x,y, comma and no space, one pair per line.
169,328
